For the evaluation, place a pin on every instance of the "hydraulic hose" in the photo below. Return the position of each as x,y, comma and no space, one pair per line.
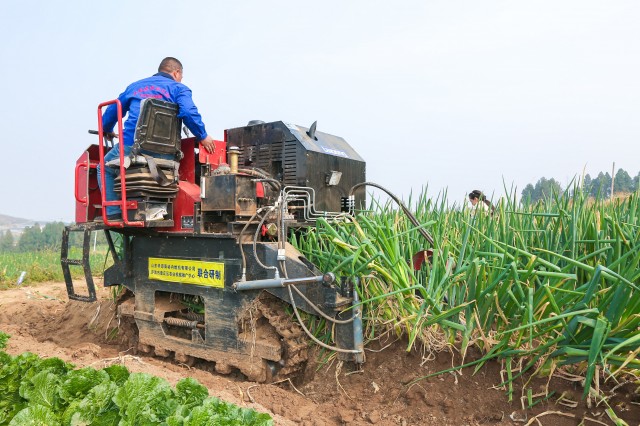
318,310
254,171
244,258
404,208
255,243
311,336
275,184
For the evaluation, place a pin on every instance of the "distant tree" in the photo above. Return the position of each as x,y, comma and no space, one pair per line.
623,182
527,193
30,239
587,183
52,235
601,186
544,188
48,237
6,241
549,188
606,185
598,187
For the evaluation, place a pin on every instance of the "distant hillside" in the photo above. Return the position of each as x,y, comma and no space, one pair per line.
10,221
16,224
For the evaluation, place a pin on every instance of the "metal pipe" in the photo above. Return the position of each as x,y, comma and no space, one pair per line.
358,339
233,153
282,282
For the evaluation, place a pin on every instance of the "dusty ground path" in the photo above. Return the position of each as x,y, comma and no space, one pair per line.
40,319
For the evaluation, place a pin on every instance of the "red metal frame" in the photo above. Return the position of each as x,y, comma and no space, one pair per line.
86,191
189,191
77,179
215,158
183,204
187,163
81,186
123,203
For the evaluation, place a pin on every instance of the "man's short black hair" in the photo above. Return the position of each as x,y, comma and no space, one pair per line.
169,65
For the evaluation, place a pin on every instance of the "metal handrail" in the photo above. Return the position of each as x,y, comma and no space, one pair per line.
123,203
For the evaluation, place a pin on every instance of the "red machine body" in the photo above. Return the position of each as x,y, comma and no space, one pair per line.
202,246
87,193
89,200
215,158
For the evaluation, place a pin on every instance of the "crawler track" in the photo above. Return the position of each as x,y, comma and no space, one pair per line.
282,332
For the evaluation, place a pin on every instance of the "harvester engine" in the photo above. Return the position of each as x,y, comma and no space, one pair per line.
202,248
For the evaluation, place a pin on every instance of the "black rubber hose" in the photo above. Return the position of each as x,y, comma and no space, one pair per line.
253,171
404,208
261,175
275,184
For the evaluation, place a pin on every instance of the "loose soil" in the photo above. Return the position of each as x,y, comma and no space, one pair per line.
42,320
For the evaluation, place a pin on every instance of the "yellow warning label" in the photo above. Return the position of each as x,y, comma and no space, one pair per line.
187,271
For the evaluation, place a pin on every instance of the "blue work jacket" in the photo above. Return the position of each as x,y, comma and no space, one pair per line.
159,86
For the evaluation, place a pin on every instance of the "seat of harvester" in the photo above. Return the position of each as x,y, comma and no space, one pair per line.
152,166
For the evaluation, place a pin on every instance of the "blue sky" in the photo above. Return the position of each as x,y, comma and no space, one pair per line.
456,95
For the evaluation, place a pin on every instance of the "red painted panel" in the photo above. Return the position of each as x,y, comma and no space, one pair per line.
183,205
87,192
81,187
95,198
215,158
187,169
259,190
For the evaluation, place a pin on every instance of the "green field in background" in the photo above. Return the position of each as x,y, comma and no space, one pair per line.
44,265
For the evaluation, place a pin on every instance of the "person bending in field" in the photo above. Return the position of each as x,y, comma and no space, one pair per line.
480,203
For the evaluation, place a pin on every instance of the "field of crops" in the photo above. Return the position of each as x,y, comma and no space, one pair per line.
550,288
44,265
51,392
546,290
